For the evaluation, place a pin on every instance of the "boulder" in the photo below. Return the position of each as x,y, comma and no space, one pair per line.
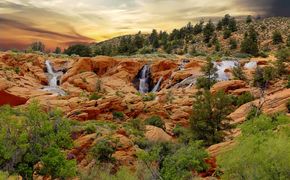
156,134
228,86
10,99
273,103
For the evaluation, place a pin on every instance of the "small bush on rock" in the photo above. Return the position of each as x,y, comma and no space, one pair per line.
155,121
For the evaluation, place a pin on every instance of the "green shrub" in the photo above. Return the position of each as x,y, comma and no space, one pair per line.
149,97
180,164
233,43
244,98
90,128
95,96
103,150
238,73
262,151
155,121
227,33
56,165
32,133
288,106
118,115
254,112
135,127
277,37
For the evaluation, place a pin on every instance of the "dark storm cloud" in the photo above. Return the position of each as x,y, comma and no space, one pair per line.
271,7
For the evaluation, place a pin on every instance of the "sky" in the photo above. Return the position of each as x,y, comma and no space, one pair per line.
65,22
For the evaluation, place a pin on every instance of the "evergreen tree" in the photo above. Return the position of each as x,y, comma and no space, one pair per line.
233,43
138,40
250,43
249,19
37,46
209,75
79,49
57,50
219,26
209,116
277,37
208,31
226,20
227,33
153,39
232,25
238,73
288,41
198,28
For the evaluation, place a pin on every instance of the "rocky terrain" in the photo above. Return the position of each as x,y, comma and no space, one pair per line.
104,92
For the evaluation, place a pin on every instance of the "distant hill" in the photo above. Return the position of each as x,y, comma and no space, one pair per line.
186,41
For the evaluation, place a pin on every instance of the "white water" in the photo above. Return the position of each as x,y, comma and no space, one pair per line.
157,86
222,66
144,85
251,65
52,80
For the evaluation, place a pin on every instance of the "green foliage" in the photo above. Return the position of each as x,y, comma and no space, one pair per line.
149,97
277,37
244,98
288,83
95,96
118,115
227,33
249,19
209,75
135,127
104,172
57,50
263,76
262,151
233,43
103,150
37,46
238,73
56,165
283,54
250,43
288,41
155,121
185,159
153,39
254,112
26,134
288,106
197,29
79,49
209,114
208,31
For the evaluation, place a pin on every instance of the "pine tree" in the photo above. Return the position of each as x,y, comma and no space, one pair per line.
250,43
277,37
219,26
238,73
38,46
57,50
232,24
249,19
138,40
209,116
209,75
208,31
198,28
233,43
153,39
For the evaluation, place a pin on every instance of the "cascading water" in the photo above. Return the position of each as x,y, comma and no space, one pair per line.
52,80
222,66
144,79
251,65
157,86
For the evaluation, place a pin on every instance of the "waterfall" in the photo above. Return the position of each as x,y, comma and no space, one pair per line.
222,66
157,86
52,80
251,65
144,79
53,76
